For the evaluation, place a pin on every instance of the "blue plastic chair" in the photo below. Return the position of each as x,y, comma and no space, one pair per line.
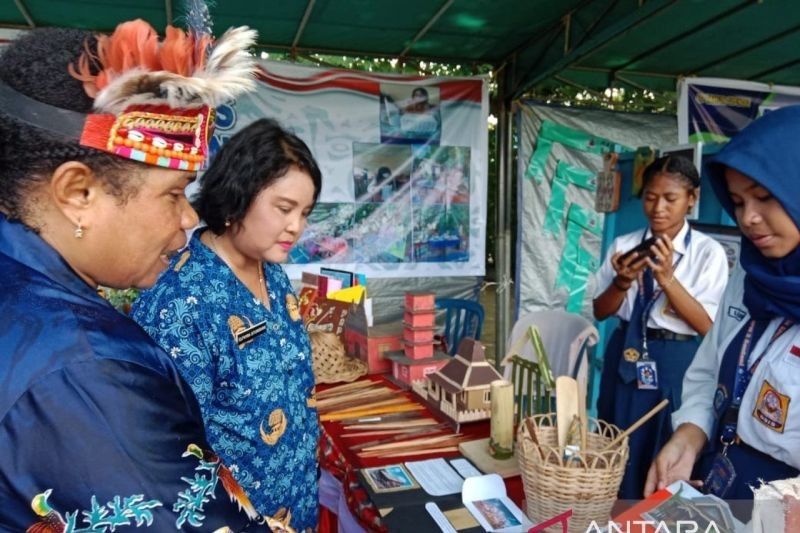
463,318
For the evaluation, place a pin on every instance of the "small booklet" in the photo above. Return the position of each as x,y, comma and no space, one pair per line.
392,478
486,498
436,477
680,505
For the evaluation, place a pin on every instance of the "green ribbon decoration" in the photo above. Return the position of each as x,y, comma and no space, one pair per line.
566,175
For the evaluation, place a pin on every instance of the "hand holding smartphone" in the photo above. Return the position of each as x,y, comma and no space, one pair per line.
642,249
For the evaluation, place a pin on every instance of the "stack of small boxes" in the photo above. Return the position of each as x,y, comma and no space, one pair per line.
418,358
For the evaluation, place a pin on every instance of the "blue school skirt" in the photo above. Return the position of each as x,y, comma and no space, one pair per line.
622,403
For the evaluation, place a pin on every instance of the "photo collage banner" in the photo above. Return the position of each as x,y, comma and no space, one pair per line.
404,165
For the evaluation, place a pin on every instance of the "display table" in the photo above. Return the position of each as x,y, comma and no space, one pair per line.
341,487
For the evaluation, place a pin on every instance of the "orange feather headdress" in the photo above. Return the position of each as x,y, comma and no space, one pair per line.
154,100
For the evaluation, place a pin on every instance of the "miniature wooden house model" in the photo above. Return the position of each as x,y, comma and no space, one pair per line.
370,344
461,388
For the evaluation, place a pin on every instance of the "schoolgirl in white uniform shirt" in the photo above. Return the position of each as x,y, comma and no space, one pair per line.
665,297
740,415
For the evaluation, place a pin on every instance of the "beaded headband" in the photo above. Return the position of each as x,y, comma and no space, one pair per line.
154,102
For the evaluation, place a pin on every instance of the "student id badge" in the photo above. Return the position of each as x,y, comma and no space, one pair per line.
646,375
720,477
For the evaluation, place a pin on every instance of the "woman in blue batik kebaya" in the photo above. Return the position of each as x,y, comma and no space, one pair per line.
227,314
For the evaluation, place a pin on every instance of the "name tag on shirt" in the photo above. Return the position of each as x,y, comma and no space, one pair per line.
736,313
245,335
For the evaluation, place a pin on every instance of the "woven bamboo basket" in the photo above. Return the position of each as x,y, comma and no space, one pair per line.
588,483
330,362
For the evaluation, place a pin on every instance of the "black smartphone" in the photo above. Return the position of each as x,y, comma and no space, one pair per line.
642,249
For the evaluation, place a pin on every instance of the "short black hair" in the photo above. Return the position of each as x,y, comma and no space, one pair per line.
677,165
248,163
36,65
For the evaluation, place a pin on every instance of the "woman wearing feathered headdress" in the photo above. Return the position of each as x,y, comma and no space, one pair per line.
99,136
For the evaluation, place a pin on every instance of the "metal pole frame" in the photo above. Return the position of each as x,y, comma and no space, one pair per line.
503,241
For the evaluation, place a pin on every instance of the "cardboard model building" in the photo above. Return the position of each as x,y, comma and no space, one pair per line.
460,390
371,343
419,357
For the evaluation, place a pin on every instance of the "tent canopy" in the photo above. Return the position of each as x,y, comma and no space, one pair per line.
588,43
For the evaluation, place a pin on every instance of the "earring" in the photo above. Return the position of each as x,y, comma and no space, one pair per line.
227,223
79,231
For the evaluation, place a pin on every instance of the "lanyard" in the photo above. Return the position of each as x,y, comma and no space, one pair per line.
743,376
647,281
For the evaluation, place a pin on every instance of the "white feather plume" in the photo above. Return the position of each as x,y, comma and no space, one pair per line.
228,72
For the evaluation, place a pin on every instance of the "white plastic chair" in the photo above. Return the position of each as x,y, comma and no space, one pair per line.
566,339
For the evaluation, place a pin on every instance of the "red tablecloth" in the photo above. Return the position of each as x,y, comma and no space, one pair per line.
336,457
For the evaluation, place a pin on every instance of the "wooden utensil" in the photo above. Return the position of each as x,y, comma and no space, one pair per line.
582,413
566,406
647,416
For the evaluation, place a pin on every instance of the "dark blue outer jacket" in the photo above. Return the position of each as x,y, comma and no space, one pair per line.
95,419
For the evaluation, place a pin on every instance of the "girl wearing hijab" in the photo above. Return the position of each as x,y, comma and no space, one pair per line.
665,295
99,137
740,392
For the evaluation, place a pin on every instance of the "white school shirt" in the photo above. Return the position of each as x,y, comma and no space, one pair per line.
703,272
769,417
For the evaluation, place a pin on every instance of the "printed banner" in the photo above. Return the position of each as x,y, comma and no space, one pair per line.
713,110
404,164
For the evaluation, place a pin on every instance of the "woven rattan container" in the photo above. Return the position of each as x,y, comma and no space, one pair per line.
330,362
587,484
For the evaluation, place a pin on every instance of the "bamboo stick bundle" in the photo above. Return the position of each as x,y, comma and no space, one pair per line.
355,395
428,447
395,418
403,408
444,449
347,387
420,441
368,405
391,431
413,422
402,437
353,402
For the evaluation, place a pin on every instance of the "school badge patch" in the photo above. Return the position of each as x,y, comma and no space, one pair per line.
772,407
631,355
